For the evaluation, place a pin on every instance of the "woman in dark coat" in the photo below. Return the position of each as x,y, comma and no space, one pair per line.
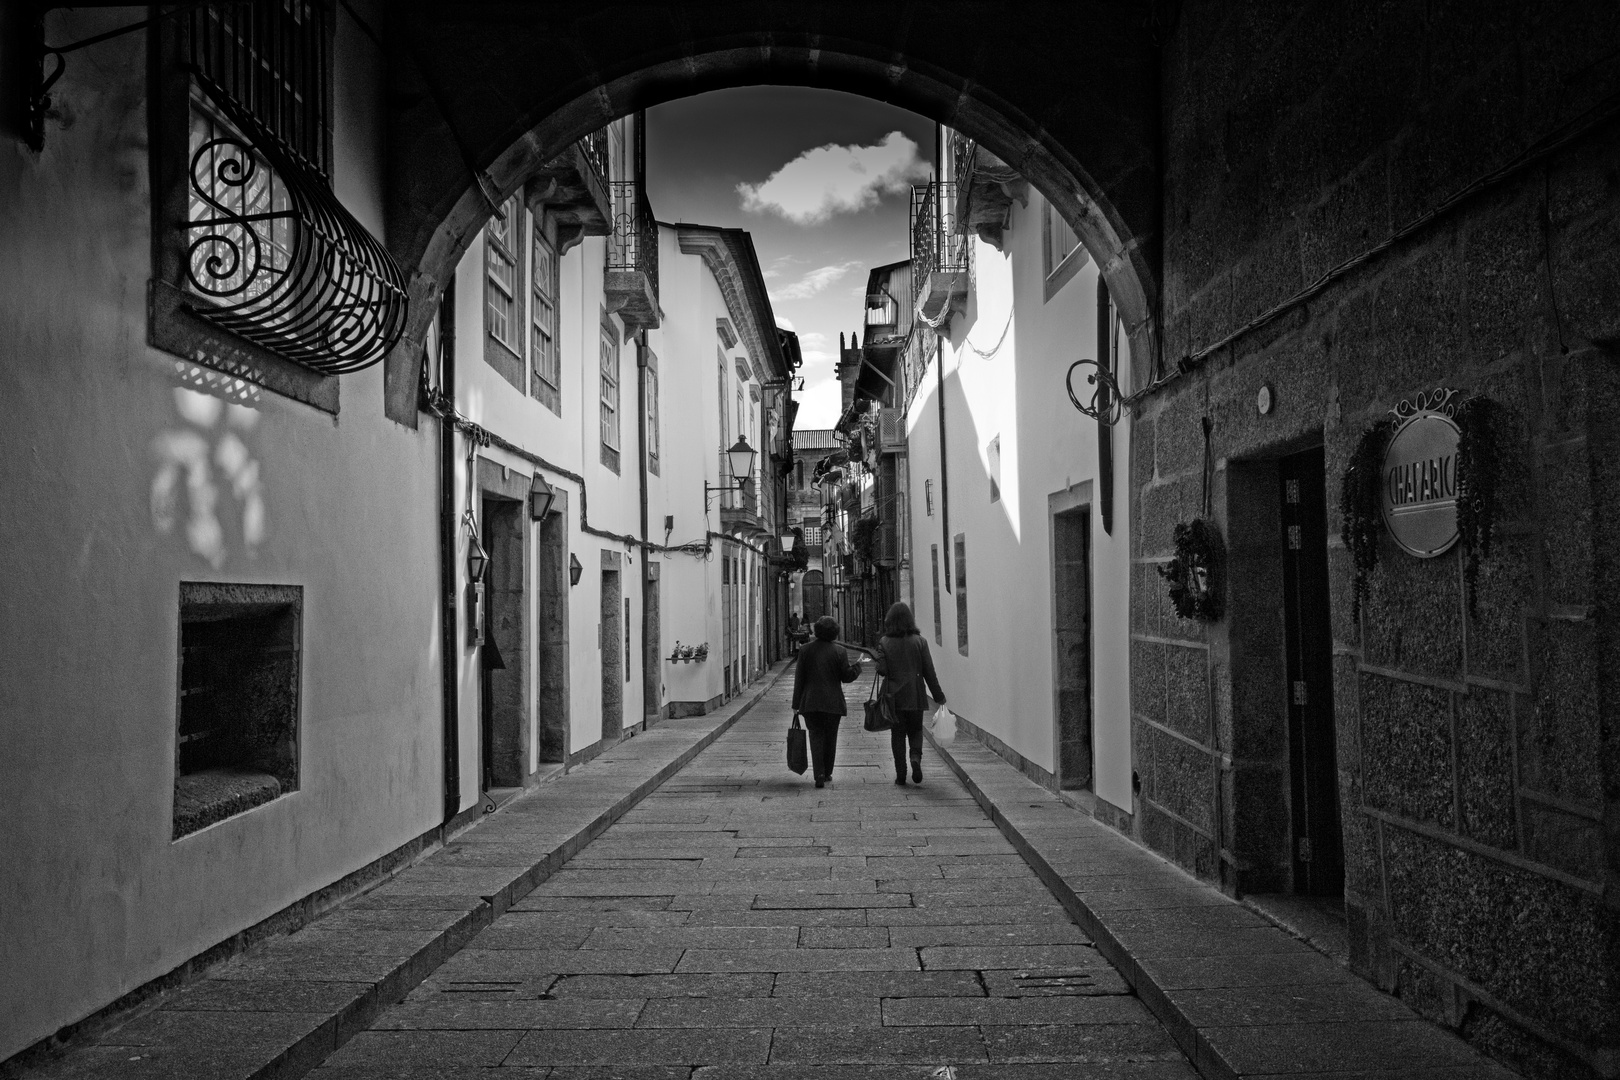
906,664
818,693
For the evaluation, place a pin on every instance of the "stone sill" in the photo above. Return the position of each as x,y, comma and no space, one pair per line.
205,798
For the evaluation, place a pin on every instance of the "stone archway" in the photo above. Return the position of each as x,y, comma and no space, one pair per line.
483,93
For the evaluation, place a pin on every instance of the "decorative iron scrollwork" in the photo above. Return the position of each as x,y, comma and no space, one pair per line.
1107,403
274,257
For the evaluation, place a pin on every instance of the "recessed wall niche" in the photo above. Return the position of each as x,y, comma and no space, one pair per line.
236,744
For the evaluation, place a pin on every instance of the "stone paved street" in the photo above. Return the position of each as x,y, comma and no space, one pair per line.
741,923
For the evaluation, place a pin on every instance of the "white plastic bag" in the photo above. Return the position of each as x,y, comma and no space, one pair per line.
944,725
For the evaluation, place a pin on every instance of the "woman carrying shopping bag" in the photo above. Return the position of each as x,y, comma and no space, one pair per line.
906,664
818,693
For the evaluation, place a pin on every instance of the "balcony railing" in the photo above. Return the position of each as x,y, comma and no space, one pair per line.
632,257
595,148
964,156
938,252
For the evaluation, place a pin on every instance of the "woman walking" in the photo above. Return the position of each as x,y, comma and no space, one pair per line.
906,664
818,693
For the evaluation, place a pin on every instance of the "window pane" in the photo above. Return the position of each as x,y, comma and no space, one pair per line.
610,390
1060,239
543,312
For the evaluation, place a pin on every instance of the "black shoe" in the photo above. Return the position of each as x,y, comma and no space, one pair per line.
820,782
901,779
916,772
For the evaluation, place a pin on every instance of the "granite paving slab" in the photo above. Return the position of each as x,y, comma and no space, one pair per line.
741,922
1237,995
288,1003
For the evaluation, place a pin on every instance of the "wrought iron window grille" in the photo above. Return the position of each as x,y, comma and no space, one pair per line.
270,254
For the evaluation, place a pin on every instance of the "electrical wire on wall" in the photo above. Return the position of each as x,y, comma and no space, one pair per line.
478,435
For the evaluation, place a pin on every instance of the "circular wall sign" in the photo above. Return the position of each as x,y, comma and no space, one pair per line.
1420,485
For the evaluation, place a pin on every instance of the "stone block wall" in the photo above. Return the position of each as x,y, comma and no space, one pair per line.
1478,751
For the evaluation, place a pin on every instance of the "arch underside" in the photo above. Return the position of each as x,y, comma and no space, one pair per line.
483,94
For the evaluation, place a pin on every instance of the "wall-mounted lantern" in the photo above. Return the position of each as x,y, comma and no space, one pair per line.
477,563
741,459
787,543
541,496
574,569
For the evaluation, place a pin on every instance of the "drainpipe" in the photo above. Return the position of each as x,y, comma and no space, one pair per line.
944,473
449,646
647,676
646,617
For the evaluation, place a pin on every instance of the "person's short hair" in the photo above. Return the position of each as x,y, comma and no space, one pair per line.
899,621
827,628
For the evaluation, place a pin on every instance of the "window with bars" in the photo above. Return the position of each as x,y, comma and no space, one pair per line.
544,359
610,393
501,276
259,270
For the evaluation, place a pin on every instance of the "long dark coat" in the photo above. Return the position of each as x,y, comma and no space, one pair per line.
906,664
823,667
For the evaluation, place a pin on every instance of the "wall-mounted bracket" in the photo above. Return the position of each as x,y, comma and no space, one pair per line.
44,64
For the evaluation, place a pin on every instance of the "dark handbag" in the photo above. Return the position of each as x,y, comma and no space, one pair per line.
879,709
798,746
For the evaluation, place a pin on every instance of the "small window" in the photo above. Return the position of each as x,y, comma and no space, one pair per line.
1061,250
939,616
610,393
652,412
236,741
725,424
961,594
501,273
258,269
544,358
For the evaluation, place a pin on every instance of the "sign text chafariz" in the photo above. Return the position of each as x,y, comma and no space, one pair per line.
1420,484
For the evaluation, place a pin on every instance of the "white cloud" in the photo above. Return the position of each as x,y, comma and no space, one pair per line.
836,179
813,282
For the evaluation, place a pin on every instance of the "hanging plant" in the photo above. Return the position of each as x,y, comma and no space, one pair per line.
1194,573
1479,467
1361,504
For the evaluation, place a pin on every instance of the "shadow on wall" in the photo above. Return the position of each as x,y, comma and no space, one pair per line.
205,487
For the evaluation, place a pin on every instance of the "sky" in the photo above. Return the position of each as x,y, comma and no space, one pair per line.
821,180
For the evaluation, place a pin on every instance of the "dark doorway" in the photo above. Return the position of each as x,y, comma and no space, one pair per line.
813,595
551,629
1071,630
652,662
611,653
503,716
1318,857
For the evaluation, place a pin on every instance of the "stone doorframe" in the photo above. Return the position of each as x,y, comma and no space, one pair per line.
507,593
1070,499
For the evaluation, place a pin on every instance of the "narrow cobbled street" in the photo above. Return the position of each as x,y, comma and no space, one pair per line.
741,923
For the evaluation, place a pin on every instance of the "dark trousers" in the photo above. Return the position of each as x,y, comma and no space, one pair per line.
823,729
907,728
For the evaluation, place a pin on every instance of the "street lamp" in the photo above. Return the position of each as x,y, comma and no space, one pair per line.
741,459
477,563
541,496
787,543
477,560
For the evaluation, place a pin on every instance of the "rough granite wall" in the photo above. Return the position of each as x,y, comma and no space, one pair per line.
1478,754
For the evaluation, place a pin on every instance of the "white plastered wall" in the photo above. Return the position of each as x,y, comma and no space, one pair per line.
1004,363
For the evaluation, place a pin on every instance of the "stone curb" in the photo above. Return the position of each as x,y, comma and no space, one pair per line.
1211,1050
300,1055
